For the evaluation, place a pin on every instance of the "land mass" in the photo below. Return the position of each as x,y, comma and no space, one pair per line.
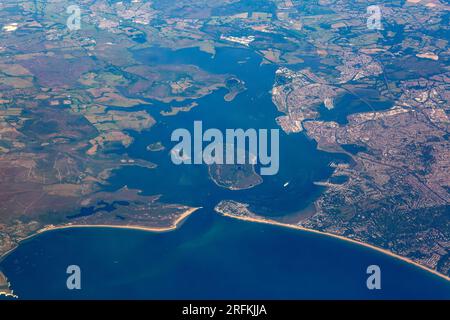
234,176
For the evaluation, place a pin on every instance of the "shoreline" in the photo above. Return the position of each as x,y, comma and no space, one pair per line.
9,295
172,227
177,223
6,292
51,227
335,236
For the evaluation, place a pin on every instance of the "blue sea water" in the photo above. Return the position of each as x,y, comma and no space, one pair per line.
211,256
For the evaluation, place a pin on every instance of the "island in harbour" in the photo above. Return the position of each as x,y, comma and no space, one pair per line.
234,176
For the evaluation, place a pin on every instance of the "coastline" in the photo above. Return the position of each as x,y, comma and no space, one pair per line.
51,227
367,245
172,227
8,295
177,223
6,290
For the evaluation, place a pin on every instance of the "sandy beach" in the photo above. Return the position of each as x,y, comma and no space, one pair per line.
174,225
187,213
291,226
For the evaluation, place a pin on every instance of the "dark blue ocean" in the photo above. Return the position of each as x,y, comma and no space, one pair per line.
210,256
